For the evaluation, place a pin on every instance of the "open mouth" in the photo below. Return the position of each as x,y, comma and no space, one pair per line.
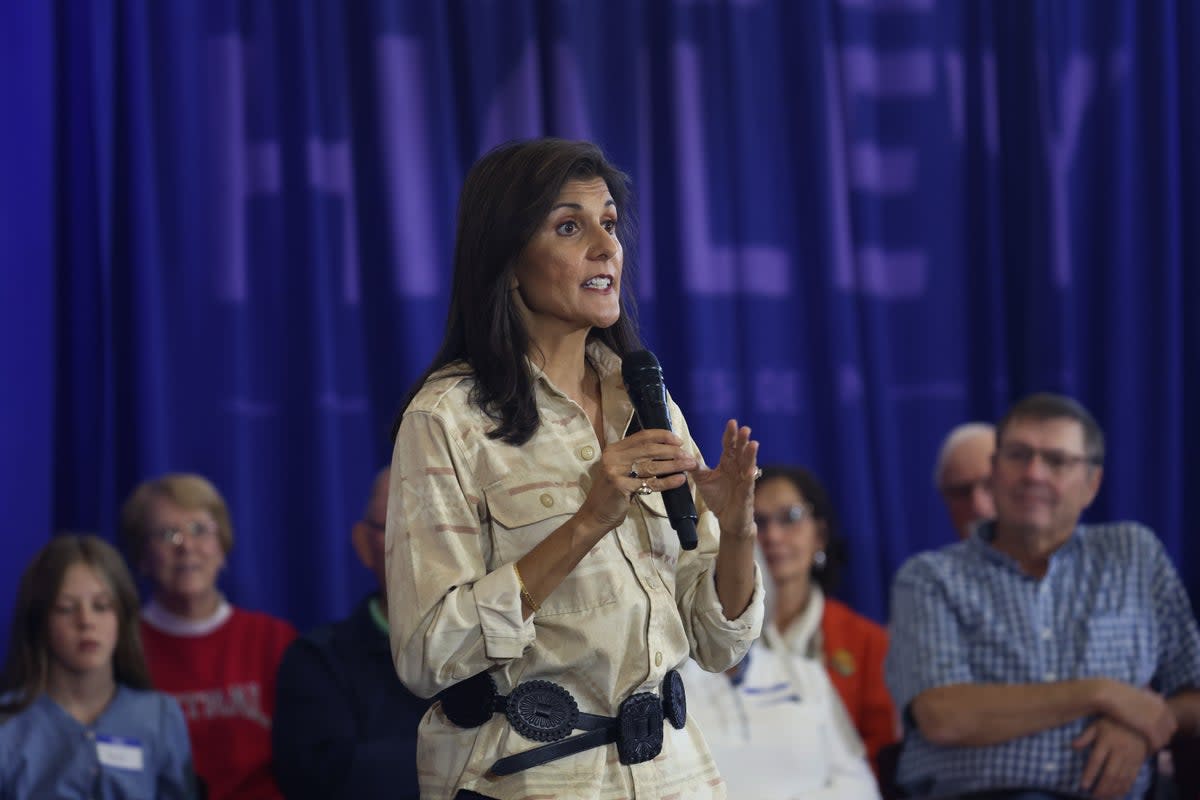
598,282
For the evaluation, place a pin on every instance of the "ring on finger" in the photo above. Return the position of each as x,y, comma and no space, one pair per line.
633,470
644,489
757,473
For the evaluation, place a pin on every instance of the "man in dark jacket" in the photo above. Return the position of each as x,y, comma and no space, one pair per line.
345,727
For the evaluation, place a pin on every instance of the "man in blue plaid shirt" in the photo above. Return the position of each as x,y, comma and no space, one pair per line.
1040,657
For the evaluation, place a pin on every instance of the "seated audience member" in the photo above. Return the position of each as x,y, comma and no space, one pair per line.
1042,657
777,728
963,472
218,661
799,540
345,726
84,722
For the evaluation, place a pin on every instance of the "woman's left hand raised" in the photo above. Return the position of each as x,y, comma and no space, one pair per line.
728,490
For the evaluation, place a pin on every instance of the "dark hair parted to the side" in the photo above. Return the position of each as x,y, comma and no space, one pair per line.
817,498
27,669
1046,406
506,196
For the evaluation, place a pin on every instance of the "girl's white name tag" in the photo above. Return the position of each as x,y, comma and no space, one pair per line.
122,753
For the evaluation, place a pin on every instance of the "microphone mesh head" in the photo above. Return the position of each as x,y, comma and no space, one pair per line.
640,367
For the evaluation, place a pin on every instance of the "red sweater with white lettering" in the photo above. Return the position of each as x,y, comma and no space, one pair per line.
224,679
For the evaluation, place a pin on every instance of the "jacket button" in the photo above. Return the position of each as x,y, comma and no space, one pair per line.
547,500
587,452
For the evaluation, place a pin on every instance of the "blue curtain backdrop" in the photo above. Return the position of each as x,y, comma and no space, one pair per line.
227,232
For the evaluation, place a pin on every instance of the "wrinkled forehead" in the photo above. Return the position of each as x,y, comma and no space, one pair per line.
1053,433
164,510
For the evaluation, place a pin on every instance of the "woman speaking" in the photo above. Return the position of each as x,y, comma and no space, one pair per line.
534,580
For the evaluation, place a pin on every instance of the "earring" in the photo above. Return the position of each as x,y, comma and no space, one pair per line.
819,560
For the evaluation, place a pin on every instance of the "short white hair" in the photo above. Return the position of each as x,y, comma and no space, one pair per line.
957,436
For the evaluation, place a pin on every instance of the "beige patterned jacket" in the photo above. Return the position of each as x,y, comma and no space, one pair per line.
462,509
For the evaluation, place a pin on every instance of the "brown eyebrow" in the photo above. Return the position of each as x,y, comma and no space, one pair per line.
85,596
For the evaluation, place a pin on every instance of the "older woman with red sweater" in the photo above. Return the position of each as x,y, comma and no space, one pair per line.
217,660
798,537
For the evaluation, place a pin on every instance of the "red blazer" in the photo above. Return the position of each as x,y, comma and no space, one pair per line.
854,651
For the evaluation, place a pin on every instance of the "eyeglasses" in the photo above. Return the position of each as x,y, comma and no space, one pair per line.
1057,461
198,531
785,516
961,491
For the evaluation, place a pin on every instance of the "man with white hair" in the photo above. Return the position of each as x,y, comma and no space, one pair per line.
963,472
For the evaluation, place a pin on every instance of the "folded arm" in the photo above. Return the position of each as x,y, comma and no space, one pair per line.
973,715
1185,707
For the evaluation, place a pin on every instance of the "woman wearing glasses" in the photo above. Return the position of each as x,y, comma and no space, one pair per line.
811,693
218,661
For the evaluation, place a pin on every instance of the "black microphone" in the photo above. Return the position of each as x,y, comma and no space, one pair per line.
644,382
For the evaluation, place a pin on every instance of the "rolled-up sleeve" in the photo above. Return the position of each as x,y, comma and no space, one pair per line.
450,618
716,643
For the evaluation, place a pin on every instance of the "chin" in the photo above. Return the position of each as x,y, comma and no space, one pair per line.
189,592
783,573
604,322
607,317
85,664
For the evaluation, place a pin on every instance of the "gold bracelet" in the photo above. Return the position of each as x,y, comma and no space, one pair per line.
525,595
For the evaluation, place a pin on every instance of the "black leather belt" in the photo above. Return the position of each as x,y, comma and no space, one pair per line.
546,712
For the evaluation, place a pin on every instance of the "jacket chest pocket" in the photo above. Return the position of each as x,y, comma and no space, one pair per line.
662,541
522,511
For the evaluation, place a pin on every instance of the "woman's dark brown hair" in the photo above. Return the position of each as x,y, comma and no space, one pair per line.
506,196
817,498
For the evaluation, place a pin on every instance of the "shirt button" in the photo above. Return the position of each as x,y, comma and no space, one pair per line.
1049,766
547,500
1049,676
587,452
1047,634
658,659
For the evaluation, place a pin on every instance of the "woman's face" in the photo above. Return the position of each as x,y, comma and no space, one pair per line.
183,553
787,533
568,277
83,623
